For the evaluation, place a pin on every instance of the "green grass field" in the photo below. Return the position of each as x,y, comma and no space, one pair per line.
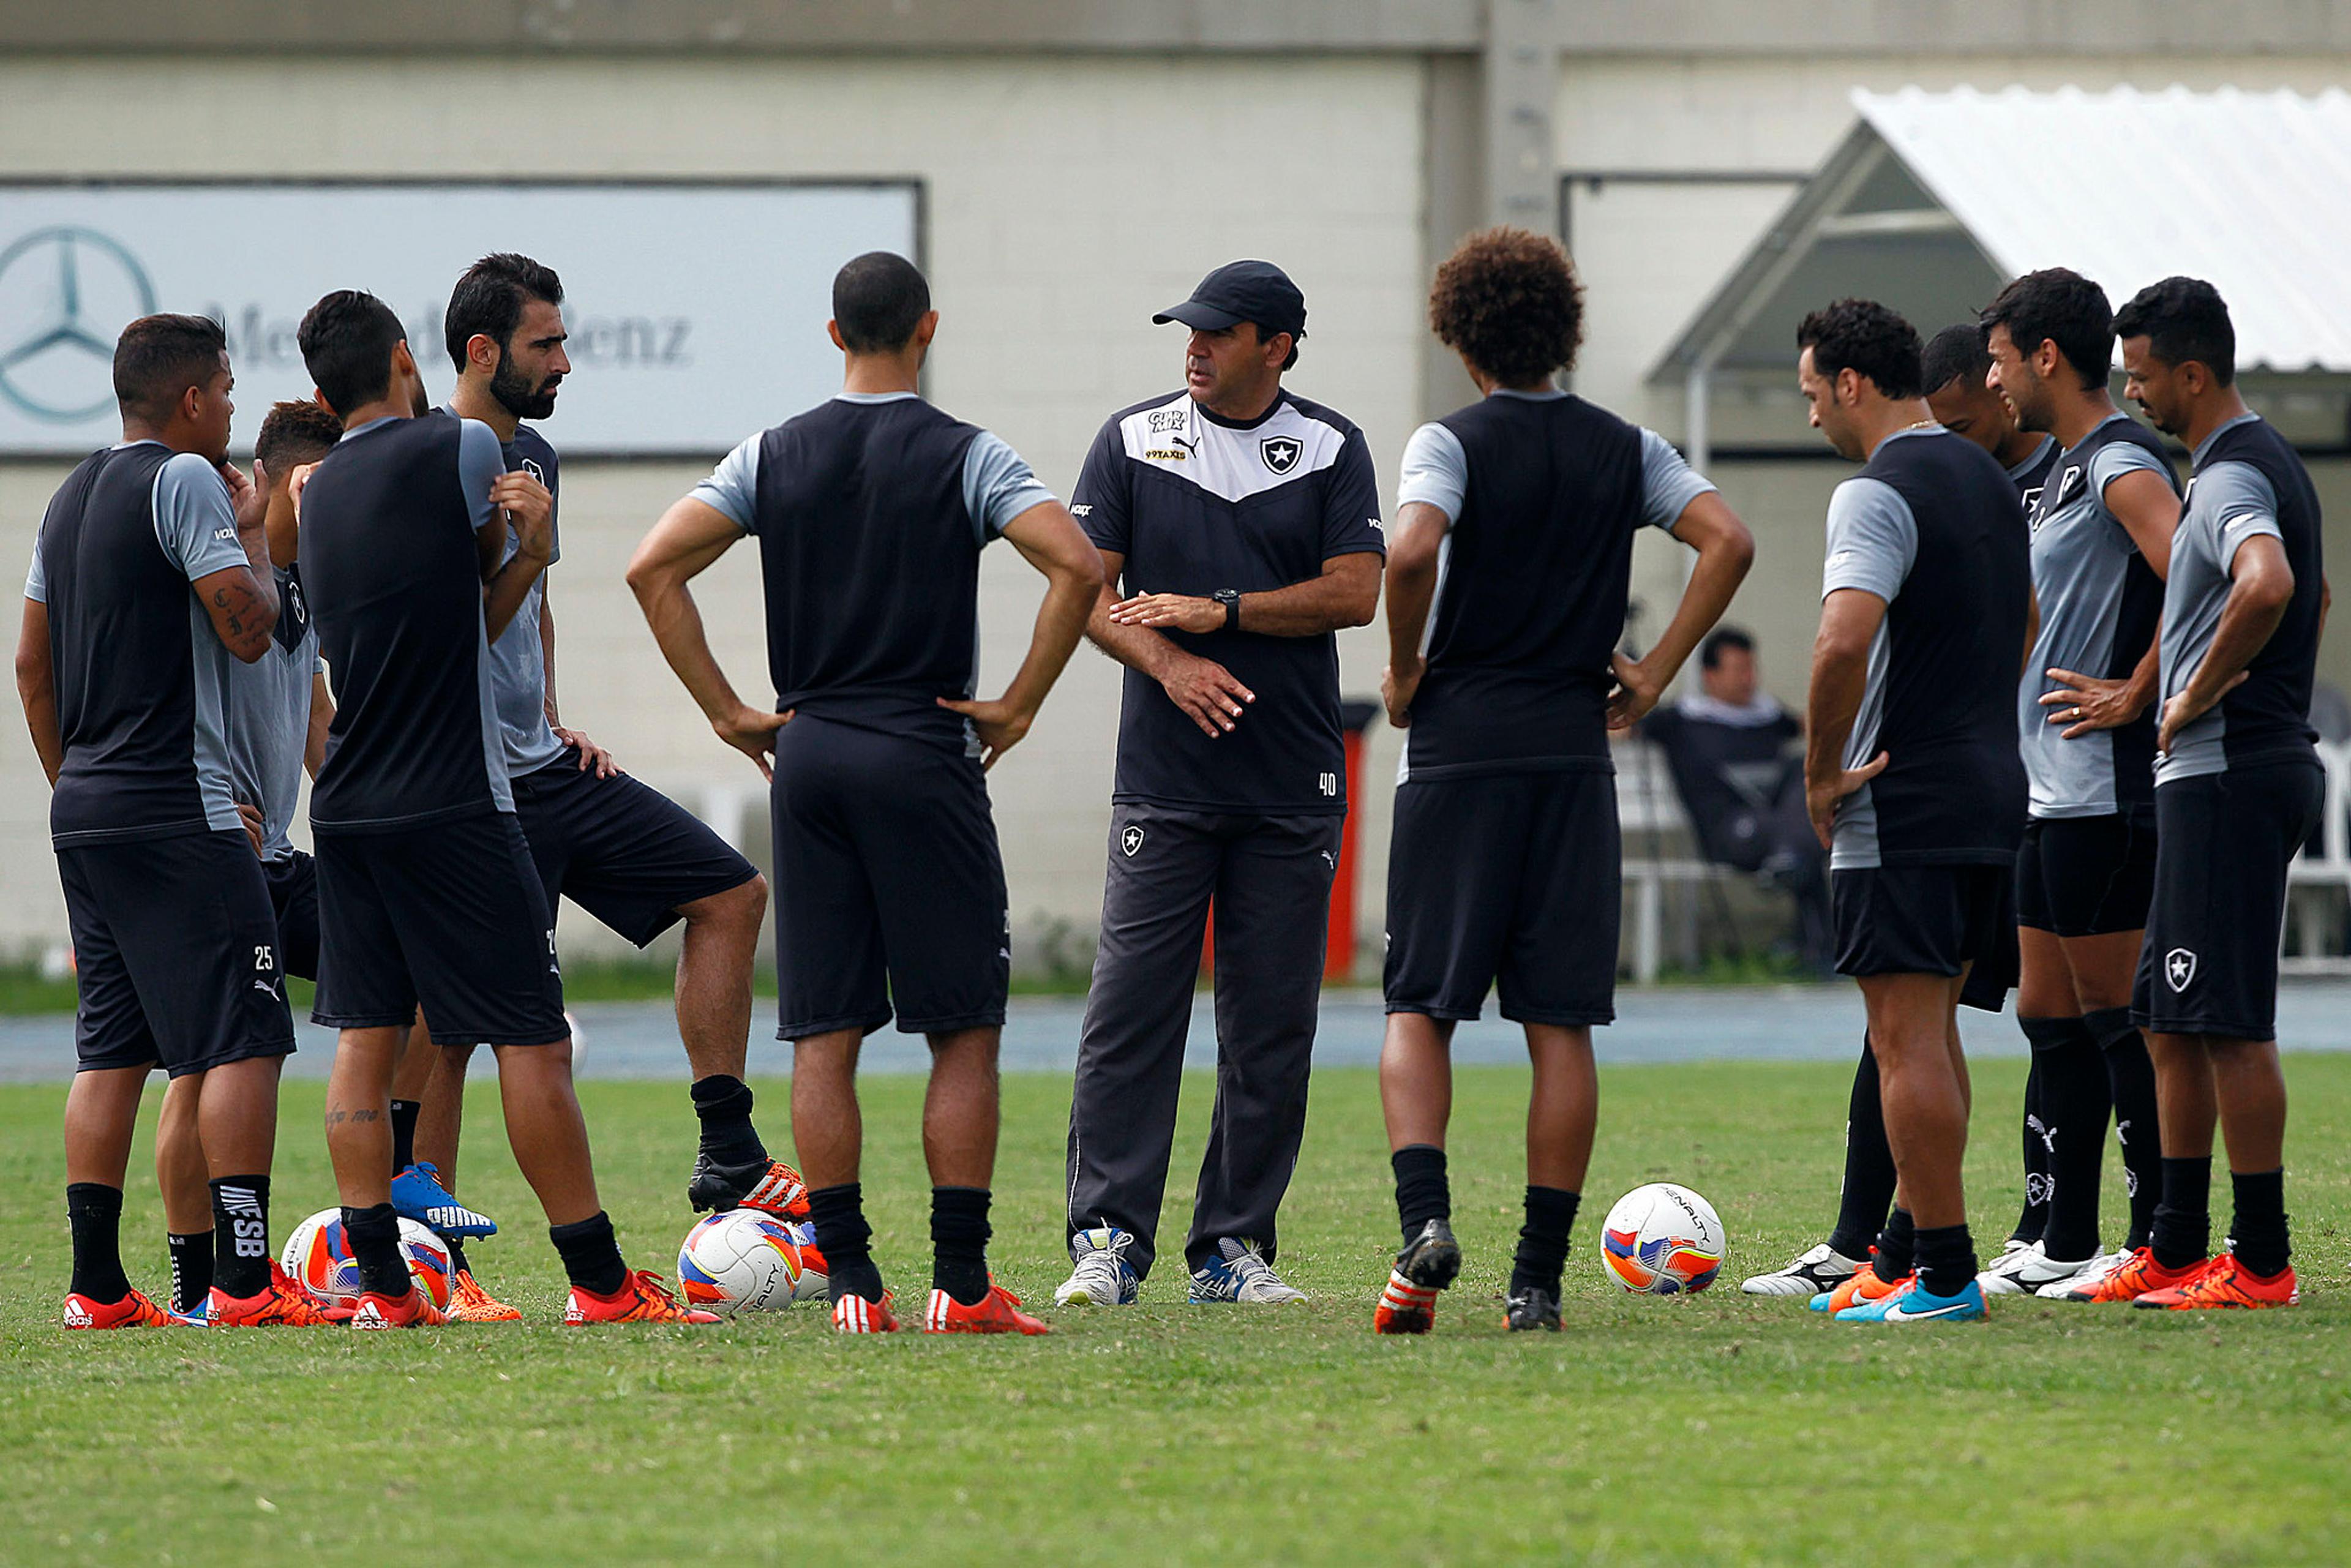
1709,1429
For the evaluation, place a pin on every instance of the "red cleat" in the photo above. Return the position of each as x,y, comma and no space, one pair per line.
2226,1283
132,1311
772,1189
2142,1276
641,1299
1405,1307
409,1310
998,1311
281,1303
854,1314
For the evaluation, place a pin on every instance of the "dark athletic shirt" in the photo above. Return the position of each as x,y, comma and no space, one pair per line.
519,659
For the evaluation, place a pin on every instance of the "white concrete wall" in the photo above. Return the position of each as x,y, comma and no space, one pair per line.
1068,198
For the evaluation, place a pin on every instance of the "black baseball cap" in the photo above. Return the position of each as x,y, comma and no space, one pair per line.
1238,291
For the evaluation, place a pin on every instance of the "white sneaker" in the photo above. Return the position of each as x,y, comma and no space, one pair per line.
2091,1275
1102,1276
2028,1269
1822,1269
1238,1274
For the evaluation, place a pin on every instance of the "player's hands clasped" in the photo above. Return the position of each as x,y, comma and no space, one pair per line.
1636,692
531,508
998,724
1822,795
591,754
752,732
1169,613
2086,703
1208,692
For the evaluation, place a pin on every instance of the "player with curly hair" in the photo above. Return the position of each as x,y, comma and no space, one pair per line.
1506,585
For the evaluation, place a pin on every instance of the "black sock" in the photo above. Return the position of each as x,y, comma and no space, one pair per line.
959,1233
1946,1260
374,1236
1422,1193
2182,1231
2033,1217
2258,1234
591,1253
2074,1099
1896,1247
192,1269
724,1104
1543,1240
457,1263
403,1133
241,1234
846,1240
2130,1082
1868,1189
95,1212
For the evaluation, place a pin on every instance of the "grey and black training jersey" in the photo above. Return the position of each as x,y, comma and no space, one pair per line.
2029,476
1932,526
390,524
518,657
1542,494
871,511
2248,481
2100,602
269,718
141,673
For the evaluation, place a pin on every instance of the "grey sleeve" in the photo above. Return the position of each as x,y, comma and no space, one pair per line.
1436,472
2239,500
2116,458
480,465
997,485
36,579
193,519
1669,483
1873,540
734,484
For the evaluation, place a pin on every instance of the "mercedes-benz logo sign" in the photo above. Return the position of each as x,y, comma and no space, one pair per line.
65,293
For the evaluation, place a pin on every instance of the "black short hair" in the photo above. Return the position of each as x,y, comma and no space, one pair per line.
346,340
488,300
1709,653
159,356
293,433
1863,336
1957,351
2183,319
878,299
2058,305
1507,300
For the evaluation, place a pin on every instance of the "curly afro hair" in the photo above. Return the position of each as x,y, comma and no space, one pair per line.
1507,301
1864,336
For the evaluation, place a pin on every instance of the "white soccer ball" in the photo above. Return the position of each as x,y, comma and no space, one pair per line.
743,1261
1661,1240
317,1255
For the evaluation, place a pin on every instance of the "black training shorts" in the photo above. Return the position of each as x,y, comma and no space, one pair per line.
294,894
450,915
177,952
623,851
889,886
1923,919
1510,881
2209,964
2086,876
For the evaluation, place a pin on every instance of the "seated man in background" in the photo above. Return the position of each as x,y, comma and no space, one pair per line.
1727,744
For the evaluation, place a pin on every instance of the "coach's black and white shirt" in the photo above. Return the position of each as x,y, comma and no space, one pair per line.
1196,504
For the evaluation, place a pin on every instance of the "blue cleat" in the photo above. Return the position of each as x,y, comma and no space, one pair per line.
196,1317
1912,1304
417,1193
1238,1272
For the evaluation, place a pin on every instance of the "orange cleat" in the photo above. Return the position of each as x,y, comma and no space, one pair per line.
2136,1277
2225,1283
412,1309
132,1311
772,1189
1405,1307
1857,1289
998,1311
643,1298
854,1314
281,1303
469,1303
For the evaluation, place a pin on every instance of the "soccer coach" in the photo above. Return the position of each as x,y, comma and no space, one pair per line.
1244,522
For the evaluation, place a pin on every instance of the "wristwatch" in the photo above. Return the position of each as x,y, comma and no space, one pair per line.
1230,597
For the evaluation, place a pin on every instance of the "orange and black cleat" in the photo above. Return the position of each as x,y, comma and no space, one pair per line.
2226,1282
2139,1277
469,1303
1405,1307
641,1299
412,1309
281,1303
852,1313
1856,1291
773,1188
998,1311
134,1310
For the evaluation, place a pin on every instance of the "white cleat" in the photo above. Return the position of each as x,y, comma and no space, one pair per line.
1102,1276
1822,1269
2090,1275
1238,1274
2027,1270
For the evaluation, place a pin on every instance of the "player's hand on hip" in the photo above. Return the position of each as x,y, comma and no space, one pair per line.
1823,796
1636,692
1169,613
1208,692
2086,703
531,508
998,724
752,732
1397,692
2185,708
591,754
255,829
